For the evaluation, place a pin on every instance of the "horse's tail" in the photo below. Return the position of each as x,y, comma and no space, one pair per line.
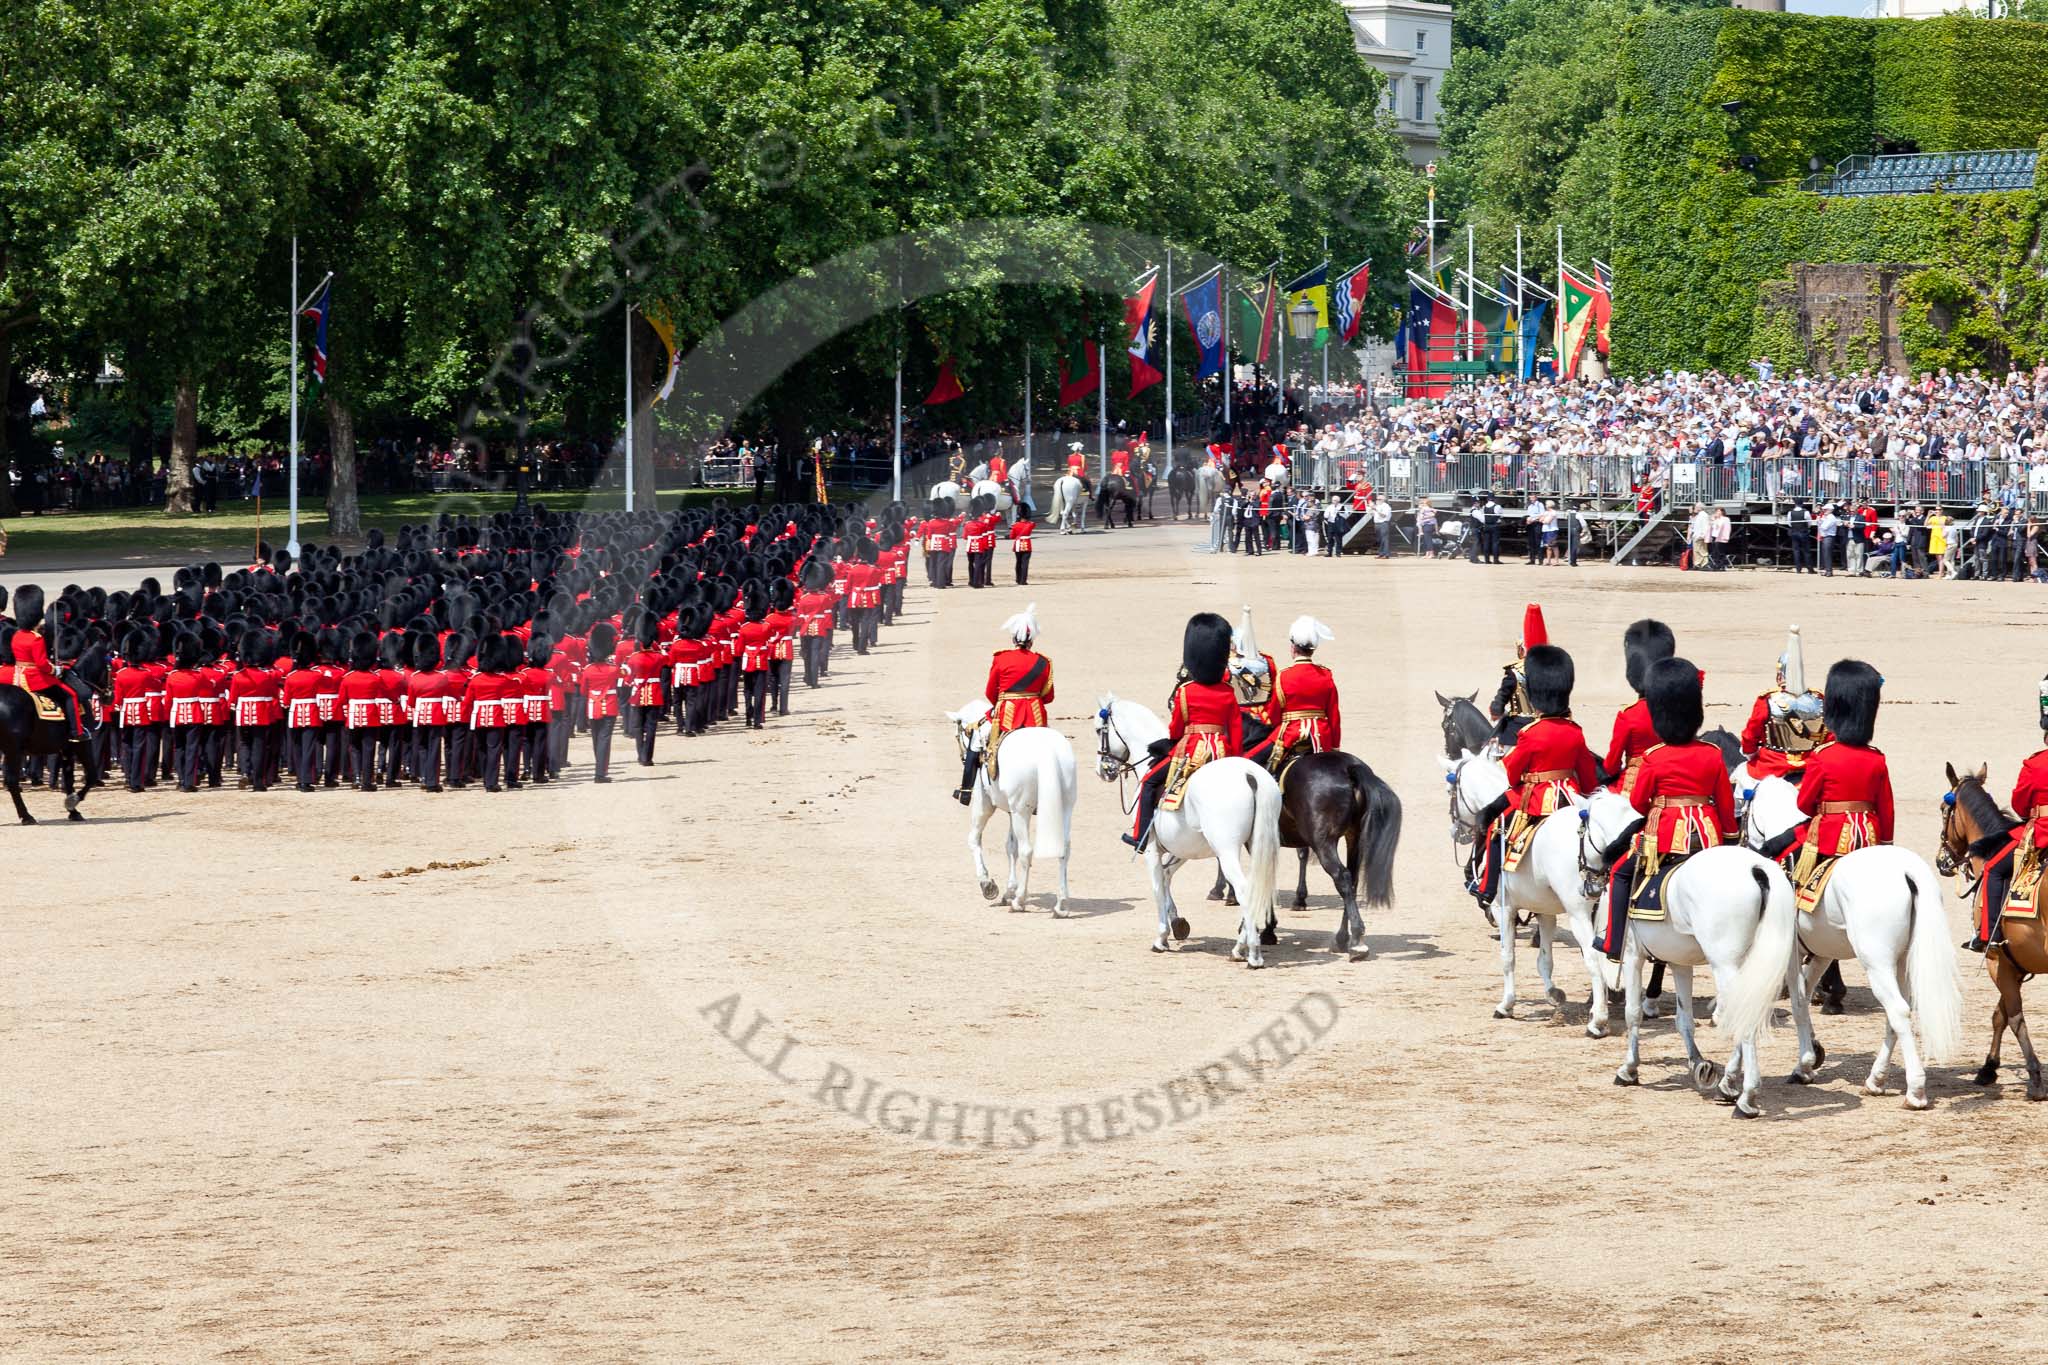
1051,829
1745,1007
1931,969
1265,845
1378,833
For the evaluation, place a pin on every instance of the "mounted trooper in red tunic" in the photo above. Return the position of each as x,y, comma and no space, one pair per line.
1785,724
1302,714
1018,691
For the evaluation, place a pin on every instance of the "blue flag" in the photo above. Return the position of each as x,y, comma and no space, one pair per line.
1204,306
1532,335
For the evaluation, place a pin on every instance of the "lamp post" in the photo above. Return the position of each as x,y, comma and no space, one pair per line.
1302,320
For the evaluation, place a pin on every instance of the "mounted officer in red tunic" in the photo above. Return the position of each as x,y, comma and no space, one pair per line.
1846,788
1644,643
1018,691
32,671
1302,714
1203,720
1251,677
2012,876
1549,765
1511,709
1785,725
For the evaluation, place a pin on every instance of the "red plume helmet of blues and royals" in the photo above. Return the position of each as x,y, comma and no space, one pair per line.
1533,633
1138,326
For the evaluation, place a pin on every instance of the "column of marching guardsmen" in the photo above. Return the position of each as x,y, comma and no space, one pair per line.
464,653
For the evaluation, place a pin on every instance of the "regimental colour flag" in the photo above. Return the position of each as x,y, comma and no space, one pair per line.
1347,297
1080,371
1313,287
1140,330
1576,296
947,387
317,310
1203,304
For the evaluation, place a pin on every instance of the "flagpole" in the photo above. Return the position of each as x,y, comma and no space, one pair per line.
1471,323
292,539
1521,361
1027,411
1326,319
896,447
1223,308
1169,360
629,407
1559,319
1102,405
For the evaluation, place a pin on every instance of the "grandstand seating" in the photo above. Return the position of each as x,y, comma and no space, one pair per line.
1928,173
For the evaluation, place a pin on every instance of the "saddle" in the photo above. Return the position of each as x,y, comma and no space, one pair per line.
2023,900
1810,881
46,705
1183,767
1646,896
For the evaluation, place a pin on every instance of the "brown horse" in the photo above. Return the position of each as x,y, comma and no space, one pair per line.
1974,828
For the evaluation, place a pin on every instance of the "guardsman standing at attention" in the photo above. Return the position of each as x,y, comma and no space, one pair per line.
1018,691
1511,709
1020,541
1204,721
1785,726
1644,643
601,696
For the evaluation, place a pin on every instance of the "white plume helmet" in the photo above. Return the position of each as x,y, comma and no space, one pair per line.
1023,627
1307,632
1793,663
1242,640
1077,446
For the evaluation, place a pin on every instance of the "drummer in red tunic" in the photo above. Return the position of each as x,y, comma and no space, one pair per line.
1203,719
1681,790
1643,644
1019,689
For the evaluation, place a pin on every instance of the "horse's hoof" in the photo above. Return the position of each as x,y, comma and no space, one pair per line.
1217,893
1503,1012
1017,907
1300,903
1555,996
1159,945
1230,898
28,819
1702,1073
1180,929
1254,963
1060,911
1268,938
1651,1010
1361,953
1987,1074
1875,1089
1624,1076
988,891
1832,1006
1596,1029
1799,1078
1917,1103
1745,1111
74,817
1820,1054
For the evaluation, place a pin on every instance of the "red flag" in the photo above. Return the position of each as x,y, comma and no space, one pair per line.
947,388
1138,327
1086,356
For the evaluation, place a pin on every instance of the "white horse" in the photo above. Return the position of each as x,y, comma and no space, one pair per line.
951,492
1230,811
1069,502
1208,486
999,491
1882,905
1727,909
1548,882
1035,788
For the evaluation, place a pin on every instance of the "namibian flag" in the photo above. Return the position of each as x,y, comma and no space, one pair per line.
317,310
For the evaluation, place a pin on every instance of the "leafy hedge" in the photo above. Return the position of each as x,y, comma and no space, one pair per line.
1696,237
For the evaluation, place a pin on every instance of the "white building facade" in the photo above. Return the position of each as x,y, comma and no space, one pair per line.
1409,43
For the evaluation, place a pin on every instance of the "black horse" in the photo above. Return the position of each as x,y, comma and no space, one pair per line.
1116,492
1181,487
25,735
1327,800
1466,728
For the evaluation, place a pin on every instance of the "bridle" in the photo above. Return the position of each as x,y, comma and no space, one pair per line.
1947,862
1107,765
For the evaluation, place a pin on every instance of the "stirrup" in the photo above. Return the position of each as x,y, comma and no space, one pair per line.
964,795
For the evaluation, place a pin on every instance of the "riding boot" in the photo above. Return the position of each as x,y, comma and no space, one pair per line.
1832,989
1618,886
964,794
1148,803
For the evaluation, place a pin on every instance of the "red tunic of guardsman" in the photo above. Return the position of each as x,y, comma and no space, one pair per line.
1077,461
1846,790
1549,764
2022,860
998,469
1642,644
1120,462
1018,691
1204,720
1785,724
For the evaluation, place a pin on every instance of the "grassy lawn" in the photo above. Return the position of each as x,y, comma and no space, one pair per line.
146,536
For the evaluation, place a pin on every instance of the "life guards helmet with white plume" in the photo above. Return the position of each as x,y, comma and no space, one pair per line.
1244,643
1307,632
1023,627
1792,664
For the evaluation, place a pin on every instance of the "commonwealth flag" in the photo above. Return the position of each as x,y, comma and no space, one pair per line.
1313,286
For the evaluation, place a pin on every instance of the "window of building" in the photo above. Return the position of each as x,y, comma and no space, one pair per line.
1394,95
1421,99
1422,40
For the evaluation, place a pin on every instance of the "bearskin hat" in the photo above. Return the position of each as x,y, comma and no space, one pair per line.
305,650
781,595
756,598
1849,708
187,653
362,651
603,640
1548,674
1205,647
426,653
1642,644
1677,711
539,650
28,606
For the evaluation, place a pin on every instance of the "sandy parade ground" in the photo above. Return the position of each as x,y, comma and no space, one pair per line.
729,1060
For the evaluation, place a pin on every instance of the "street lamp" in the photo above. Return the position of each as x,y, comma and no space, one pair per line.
1302,320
